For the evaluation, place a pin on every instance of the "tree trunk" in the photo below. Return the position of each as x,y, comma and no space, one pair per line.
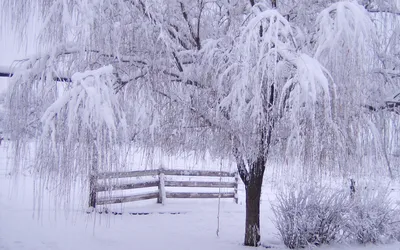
253,195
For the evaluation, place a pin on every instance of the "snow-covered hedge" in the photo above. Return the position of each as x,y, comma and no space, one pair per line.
318,215
372,218
310,216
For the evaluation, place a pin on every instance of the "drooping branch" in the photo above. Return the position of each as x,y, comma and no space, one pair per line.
119,84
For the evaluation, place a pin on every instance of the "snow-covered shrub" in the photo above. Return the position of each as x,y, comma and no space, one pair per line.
310,215
395,224
372,217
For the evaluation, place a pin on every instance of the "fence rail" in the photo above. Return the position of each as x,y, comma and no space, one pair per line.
110,175
201,195
102,188
142,173
161,184
215,184
121,199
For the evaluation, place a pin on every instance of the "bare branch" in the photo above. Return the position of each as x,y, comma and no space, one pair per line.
191,30
273,2
55,78
383,11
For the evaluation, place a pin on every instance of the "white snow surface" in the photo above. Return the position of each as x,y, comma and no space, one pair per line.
71,228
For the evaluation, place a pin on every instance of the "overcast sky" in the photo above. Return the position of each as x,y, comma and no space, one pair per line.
10,51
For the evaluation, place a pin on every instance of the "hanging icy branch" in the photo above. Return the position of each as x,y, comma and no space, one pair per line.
31,63
38,62
82,132
343,24
90,105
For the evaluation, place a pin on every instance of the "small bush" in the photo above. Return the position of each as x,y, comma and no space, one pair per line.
371,218
315,216
395,224
310,216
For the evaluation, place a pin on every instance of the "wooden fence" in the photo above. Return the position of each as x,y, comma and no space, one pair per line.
230,181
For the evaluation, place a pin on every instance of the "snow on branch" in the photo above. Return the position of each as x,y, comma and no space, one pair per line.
343,24
90,105
262,75
33,68
252,69
82,132
310,81
271,27
32,88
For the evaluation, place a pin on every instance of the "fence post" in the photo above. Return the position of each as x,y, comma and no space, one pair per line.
161,187
236,188
92,190
352,188
93,175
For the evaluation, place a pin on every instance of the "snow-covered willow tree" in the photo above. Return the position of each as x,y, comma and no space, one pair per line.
357,44
227,77
348,49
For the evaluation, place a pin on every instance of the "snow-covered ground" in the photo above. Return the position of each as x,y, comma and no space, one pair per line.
178,225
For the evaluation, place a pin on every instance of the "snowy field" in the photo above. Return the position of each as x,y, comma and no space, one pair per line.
178,225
